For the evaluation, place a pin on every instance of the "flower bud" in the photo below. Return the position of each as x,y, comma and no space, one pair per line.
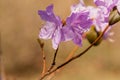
114,16
92,35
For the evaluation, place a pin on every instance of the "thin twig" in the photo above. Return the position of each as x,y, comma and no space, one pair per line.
40,43
77,56
44,63
54,60
43,55
69,56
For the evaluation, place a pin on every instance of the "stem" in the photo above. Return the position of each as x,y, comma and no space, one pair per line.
44,63
43,56
54,61
69,56
77,56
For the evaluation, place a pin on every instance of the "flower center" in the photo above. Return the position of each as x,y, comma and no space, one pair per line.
63,23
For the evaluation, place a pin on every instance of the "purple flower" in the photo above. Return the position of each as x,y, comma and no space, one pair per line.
76,25
52,28
99,15
81,19
105,7
100,18
109,4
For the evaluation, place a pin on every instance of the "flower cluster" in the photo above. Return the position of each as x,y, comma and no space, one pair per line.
79,22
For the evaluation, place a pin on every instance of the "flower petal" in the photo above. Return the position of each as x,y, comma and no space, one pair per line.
56,38
78,40
48,15
47,30
67,33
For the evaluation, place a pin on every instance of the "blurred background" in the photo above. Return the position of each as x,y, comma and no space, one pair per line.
21,57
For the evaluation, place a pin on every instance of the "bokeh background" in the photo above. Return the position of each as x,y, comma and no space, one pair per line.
21,58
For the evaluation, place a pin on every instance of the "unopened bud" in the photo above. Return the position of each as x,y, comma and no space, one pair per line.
92,35
114,16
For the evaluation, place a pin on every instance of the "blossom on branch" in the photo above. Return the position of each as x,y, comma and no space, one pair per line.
52,28
98,15
108,14
77,24
80,21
